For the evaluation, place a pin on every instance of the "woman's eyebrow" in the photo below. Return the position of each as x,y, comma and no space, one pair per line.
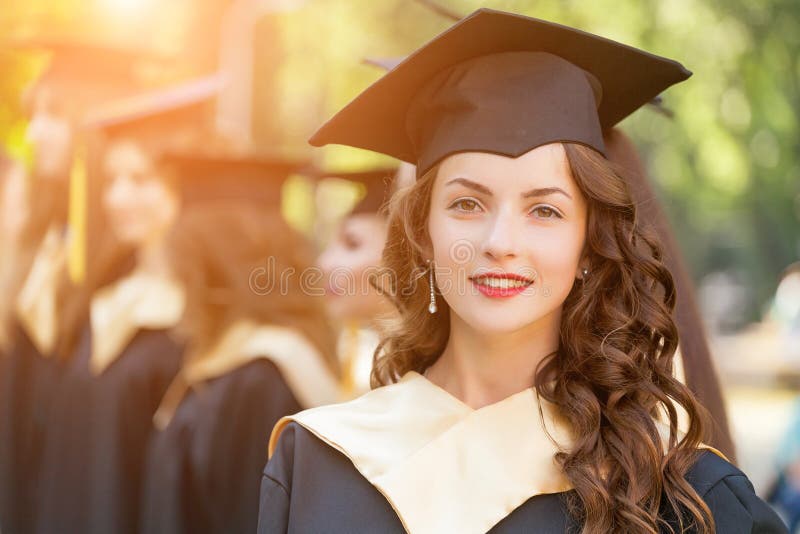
472,185
538,192
544,191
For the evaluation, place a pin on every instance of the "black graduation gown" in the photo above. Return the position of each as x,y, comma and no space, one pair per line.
26,381
97,435
204,468
308,486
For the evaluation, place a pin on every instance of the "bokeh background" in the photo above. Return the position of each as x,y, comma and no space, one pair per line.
725,164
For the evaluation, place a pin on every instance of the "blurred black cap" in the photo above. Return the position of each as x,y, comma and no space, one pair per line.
161,120
82,73
214,178
375,184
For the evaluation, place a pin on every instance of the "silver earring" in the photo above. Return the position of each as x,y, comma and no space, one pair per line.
584,272
432,305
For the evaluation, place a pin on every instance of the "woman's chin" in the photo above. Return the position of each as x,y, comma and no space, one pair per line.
130,236
497,322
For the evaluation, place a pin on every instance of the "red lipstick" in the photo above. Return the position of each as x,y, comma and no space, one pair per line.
496,285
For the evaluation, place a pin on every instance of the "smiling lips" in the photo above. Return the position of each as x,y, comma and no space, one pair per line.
501,285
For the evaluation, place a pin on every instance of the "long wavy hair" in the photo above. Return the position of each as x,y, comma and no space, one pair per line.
216,249
612,374
698,364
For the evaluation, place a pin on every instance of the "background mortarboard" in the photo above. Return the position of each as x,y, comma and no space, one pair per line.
623,79
206,178
376,185
161,118
82,73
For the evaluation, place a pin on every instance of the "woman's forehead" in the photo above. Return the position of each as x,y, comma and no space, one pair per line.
543,166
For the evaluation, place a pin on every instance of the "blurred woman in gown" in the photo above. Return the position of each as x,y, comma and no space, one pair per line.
77,78
350,259
122,355
259,347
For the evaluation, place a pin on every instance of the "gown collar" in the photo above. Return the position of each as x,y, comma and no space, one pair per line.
299,362
442,465
140,301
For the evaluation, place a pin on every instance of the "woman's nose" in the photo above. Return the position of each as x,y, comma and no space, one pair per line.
502,236
118,192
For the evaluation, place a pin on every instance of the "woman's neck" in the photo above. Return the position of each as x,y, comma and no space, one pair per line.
151,257
482,369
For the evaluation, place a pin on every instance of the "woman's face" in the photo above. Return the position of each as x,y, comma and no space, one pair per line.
353,253
139,204
507,236
50,133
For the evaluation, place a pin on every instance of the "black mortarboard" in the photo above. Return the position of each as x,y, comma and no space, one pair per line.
501,83
161,119
211,178
375,183
86,73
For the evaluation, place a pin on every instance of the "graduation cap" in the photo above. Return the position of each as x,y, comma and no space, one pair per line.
82,73
375,183
161,117
209,178
501,83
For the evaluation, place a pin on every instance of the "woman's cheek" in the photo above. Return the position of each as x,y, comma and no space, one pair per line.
554,255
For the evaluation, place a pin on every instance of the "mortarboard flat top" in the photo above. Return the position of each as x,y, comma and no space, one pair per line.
502,83
164,119
81,73
85,62
139,108
213,178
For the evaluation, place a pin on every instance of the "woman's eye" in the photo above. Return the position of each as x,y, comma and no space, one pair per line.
546,212
466,205
351,242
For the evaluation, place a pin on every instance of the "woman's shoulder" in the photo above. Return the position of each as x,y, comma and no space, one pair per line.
298,447
710,469
731,497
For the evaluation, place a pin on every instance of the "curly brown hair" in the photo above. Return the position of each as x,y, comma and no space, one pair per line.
612,373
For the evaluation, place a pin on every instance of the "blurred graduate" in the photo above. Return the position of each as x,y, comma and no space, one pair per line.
259,347
79,75
348,262
120,356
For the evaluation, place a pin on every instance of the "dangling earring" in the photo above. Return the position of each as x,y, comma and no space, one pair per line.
432,306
